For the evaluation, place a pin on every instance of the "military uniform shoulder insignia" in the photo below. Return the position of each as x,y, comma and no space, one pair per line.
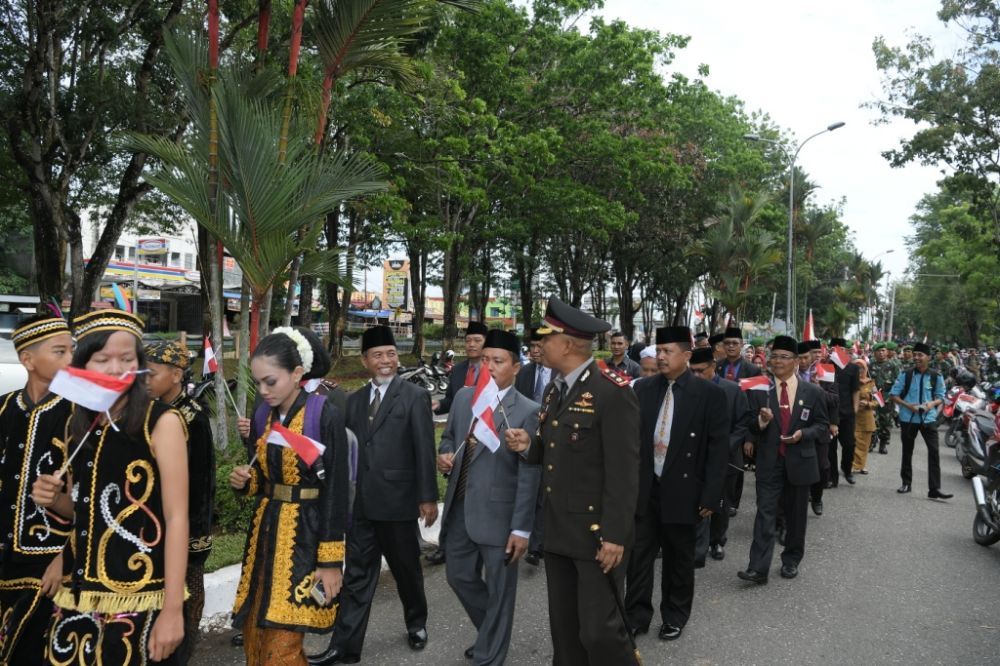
615,378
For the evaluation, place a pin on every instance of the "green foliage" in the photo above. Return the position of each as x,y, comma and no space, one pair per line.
232,511
433,331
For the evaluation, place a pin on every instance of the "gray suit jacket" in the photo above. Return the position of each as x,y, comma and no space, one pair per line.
501,489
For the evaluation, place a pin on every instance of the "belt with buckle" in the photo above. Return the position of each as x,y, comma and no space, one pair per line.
284,493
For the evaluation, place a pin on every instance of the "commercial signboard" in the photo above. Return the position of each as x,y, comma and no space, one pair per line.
153,245
395,283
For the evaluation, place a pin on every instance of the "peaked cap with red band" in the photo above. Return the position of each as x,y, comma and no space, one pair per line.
563,318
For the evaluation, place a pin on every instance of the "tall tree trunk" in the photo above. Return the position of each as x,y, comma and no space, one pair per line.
305,294
524,269
418,289
293,283
352,259
332,233
218,344
452,288
244,351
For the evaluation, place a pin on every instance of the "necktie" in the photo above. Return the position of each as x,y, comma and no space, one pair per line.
663,430
784,414
463,473
539,383
731,372
374,405
470,375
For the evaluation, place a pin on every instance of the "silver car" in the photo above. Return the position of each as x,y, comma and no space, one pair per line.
13,376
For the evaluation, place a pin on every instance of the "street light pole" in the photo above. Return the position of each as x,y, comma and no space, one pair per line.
789,300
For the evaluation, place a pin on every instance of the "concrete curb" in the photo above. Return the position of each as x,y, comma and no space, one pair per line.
220,586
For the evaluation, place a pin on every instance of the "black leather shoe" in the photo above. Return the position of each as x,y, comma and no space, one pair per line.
469,652
639,631
333,655
828,485
669,632
883,450
417,639
905,488
533,557
849,478
753,576
937,494
817,507
718,552
237,639
789,571
699,564
732,511
435,556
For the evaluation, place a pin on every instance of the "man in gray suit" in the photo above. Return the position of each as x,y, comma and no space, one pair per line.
489,506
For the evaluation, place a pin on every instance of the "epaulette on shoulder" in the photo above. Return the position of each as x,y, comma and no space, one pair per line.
615,378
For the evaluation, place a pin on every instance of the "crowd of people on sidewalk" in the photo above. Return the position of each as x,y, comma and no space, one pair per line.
593,467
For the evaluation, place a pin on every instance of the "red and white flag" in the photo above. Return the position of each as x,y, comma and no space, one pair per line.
484,400
211,363
94,390
840,357
759,383
857,348
878,398
825,372
809,332
307,448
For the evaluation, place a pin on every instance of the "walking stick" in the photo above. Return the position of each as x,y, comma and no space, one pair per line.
595,530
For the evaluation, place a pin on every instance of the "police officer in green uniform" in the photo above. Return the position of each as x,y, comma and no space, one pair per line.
588,445
883,372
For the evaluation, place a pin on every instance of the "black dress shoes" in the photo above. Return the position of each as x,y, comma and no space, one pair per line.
639,631
718,552
469,652
333,655
905,488
669,632
753,576
849,478
789,571
533,557
817,507
417,639
237,639
883,450
732,511
435,556
937,494
699,564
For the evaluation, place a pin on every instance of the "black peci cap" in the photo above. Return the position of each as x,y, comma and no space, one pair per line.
565,319
702,355
786,343
922,348
716,339
535,337
476,328
838,342
733,332
815,344
804,347
497,339
667,334
377,336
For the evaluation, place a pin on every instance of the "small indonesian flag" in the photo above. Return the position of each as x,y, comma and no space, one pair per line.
94,390
857,348
840,357
485,397
825,372
211,364
308,449
759,383
878,398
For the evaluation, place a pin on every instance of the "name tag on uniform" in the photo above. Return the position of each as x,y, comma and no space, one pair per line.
805,415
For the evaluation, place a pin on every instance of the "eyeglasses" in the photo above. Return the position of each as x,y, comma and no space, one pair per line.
782,357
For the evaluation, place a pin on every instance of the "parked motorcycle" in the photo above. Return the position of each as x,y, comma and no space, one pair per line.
979,427
986,489
418,375
438,372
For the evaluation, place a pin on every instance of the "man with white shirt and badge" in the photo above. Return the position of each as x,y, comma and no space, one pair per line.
489,507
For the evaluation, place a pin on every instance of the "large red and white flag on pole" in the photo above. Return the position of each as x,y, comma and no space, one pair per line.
809,332
94,390
759,383
484,400
211,363
825,372
307,448
840,357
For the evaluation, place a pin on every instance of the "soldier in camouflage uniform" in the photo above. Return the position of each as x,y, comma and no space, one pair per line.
906,363
942,364
883,372
897,367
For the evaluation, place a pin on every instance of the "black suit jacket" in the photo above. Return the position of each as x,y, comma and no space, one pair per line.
739,420
396,455
746,369
808,415
694,471
456,382
848,380
525,380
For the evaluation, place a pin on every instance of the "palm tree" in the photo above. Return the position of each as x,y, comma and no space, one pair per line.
815,225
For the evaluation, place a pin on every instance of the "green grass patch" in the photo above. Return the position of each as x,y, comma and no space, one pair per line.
226,549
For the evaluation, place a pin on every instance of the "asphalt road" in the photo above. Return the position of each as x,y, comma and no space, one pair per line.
886,579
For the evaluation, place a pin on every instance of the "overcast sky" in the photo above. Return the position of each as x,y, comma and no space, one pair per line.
809,64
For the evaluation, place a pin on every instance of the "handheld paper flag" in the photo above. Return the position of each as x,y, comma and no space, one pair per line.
94,390
211,364
484,399
840,357
307,448
825,372
760,383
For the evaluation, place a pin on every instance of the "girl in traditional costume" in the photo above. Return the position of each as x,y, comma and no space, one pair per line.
122,594
298,477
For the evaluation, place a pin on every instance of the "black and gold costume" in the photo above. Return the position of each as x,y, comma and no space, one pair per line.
113,570
298,524
32,442
201,502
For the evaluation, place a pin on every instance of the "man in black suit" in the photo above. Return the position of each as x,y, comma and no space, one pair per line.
789,419
849,387
734,367
466,372
587,443
683,451
396,484
712,531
